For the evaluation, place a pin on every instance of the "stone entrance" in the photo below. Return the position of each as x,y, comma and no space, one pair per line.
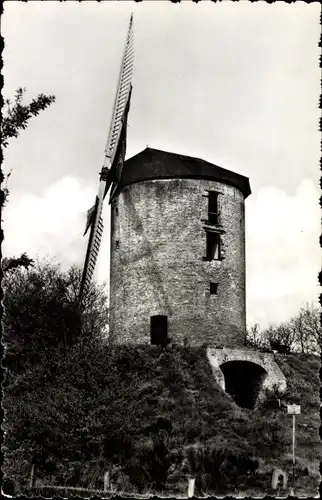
243,381
244,373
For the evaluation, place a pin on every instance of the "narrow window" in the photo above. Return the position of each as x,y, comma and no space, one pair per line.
213,288
213,207
213,246
159,330
117,244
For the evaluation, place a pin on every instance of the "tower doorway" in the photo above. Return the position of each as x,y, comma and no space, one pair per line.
159,330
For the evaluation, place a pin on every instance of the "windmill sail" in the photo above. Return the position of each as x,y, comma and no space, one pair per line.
114,174
113,159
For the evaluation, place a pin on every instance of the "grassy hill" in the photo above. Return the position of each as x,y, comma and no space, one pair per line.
154,416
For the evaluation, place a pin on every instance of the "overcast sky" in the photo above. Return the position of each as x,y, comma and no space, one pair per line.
234,83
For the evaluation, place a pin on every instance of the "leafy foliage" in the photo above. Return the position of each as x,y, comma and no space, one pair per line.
302,373
48,340
220,470
15,117
141,409
12,263
16,114
42,314
148,414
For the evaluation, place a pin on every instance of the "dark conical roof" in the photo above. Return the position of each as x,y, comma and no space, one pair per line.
155,164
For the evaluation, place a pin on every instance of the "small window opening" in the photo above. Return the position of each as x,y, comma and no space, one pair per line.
159,330
213,207
213,246
213,288
117,244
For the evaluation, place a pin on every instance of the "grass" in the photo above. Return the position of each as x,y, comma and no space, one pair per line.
139,395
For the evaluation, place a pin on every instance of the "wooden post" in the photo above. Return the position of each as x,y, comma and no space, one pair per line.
32,475
293,450
191,487
293,410
106,481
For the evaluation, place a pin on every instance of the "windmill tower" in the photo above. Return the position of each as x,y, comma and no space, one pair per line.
178,252
177,240
113,159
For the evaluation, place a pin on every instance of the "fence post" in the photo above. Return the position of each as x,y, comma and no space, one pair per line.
191,487
32,476
106,481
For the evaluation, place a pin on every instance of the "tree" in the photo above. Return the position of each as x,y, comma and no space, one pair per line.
301,333
11,263
281,338
255,337
15,117
307,329
42,313
16,114
53,348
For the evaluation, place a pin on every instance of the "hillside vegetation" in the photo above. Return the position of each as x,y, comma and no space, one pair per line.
154,416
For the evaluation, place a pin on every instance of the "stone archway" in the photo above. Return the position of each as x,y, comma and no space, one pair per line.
265,374
243,381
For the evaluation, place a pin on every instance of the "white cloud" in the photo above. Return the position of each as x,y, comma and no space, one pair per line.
49,225
283,253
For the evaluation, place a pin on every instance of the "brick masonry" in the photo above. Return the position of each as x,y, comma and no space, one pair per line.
158,245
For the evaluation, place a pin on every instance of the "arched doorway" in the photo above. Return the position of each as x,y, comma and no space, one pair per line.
243,381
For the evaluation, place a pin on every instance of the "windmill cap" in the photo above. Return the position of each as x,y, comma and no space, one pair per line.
152,164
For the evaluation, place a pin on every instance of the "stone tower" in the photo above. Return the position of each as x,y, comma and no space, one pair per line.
178,252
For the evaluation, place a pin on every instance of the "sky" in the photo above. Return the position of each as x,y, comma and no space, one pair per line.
234,83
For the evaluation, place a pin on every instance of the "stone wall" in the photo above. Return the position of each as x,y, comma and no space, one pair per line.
274,377
158,245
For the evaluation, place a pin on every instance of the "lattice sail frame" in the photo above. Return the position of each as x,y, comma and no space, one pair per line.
121,98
